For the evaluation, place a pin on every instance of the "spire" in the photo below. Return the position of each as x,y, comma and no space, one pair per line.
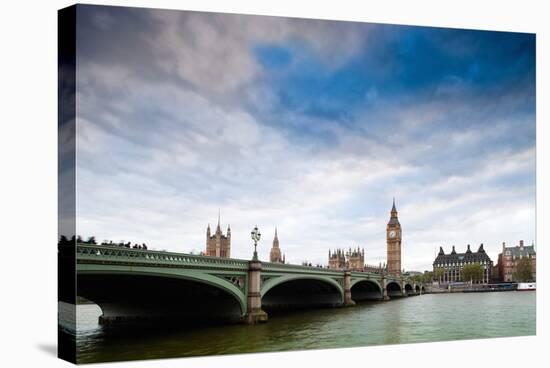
393,217
441,252
481,250
218,228
468,250
453,251
275,240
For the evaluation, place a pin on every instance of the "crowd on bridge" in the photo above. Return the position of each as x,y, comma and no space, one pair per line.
91,240
125,245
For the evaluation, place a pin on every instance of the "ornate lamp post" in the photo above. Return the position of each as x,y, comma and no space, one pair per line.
255,234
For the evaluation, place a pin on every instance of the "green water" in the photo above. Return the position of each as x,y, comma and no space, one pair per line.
422,318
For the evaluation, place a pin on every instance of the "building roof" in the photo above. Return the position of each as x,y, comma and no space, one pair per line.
468,256
521,251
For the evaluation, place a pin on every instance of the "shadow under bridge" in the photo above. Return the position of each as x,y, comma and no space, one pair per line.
125,297
300,292
362,290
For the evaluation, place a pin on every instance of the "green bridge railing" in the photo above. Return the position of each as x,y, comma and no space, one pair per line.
92,253
106,253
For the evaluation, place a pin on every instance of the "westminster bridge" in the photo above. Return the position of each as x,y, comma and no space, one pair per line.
130,284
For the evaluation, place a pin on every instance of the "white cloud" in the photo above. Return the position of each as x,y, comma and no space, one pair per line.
158,156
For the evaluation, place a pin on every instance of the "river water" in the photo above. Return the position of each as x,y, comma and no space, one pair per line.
425,318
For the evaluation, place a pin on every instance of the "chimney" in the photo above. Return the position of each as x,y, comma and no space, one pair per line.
521,243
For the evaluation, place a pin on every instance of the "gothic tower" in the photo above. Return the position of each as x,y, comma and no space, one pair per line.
218,245
275,254
393,239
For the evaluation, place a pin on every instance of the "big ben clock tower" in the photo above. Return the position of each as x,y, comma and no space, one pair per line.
393,240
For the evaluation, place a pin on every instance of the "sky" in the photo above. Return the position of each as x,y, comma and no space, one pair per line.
310,126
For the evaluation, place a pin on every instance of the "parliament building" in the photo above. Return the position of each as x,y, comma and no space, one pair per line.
218,245
354,259
275,253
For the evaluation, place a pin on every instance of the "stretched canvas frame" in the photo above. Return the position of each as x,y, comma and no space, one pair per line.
249,285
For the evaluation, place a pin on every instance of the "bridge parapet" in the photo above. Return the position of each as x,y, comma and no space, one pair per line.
360,274
101,253
283,267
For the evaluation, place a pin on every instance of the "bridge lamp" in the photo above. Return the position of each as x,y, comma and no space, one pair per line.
255,234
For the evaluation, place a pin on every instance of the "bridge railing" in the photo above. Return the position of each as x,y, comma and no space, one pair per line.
108,253
98,253
285,267
365,274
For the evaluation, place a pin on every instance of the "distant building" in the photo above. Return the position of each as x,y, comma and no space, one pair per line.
509,258
356,259
453,263
352,259
275,253
218,245
337,259
412,273
375,268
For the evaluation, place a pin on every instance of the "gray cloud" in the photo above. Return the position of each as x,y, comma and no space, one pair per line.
166,136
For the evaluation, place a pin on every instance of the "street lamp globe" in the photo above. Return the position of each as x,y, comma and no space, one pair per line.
255,235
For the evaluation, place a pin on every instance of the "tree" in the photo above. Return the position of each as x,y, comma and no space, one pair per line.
438,274
524,270
418,279
427,277
472,272
91,240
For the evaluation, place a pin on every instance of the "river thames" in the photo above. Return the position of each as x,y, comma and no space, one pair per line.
424,318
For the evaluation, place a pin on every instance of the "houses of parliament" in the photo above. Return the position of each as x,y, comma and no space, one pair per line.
354,259
219,245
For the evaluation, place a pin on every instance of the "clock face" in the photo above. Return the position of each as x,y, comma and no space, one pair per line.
392,234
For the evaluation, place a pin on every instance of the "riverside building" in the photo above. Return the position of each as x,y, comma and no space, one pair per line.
453,263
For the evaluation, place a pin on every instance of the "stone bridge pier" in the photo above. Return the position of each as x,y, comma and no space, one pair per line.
254,314
347,289
385,295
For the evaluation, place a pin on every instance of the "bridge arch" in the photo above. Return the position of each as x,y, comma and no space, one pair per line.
393,289
365,289
408,289
417,289
301,291
175,293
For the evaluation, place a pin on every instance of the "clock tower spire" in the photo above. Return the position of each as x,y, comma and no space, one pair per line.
393,241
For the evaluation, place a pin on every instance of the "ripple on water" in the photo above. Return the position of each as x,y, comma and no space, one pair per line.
424,318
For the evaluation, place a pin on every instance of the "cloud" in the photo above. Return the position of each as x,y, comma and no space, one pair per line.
177,116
